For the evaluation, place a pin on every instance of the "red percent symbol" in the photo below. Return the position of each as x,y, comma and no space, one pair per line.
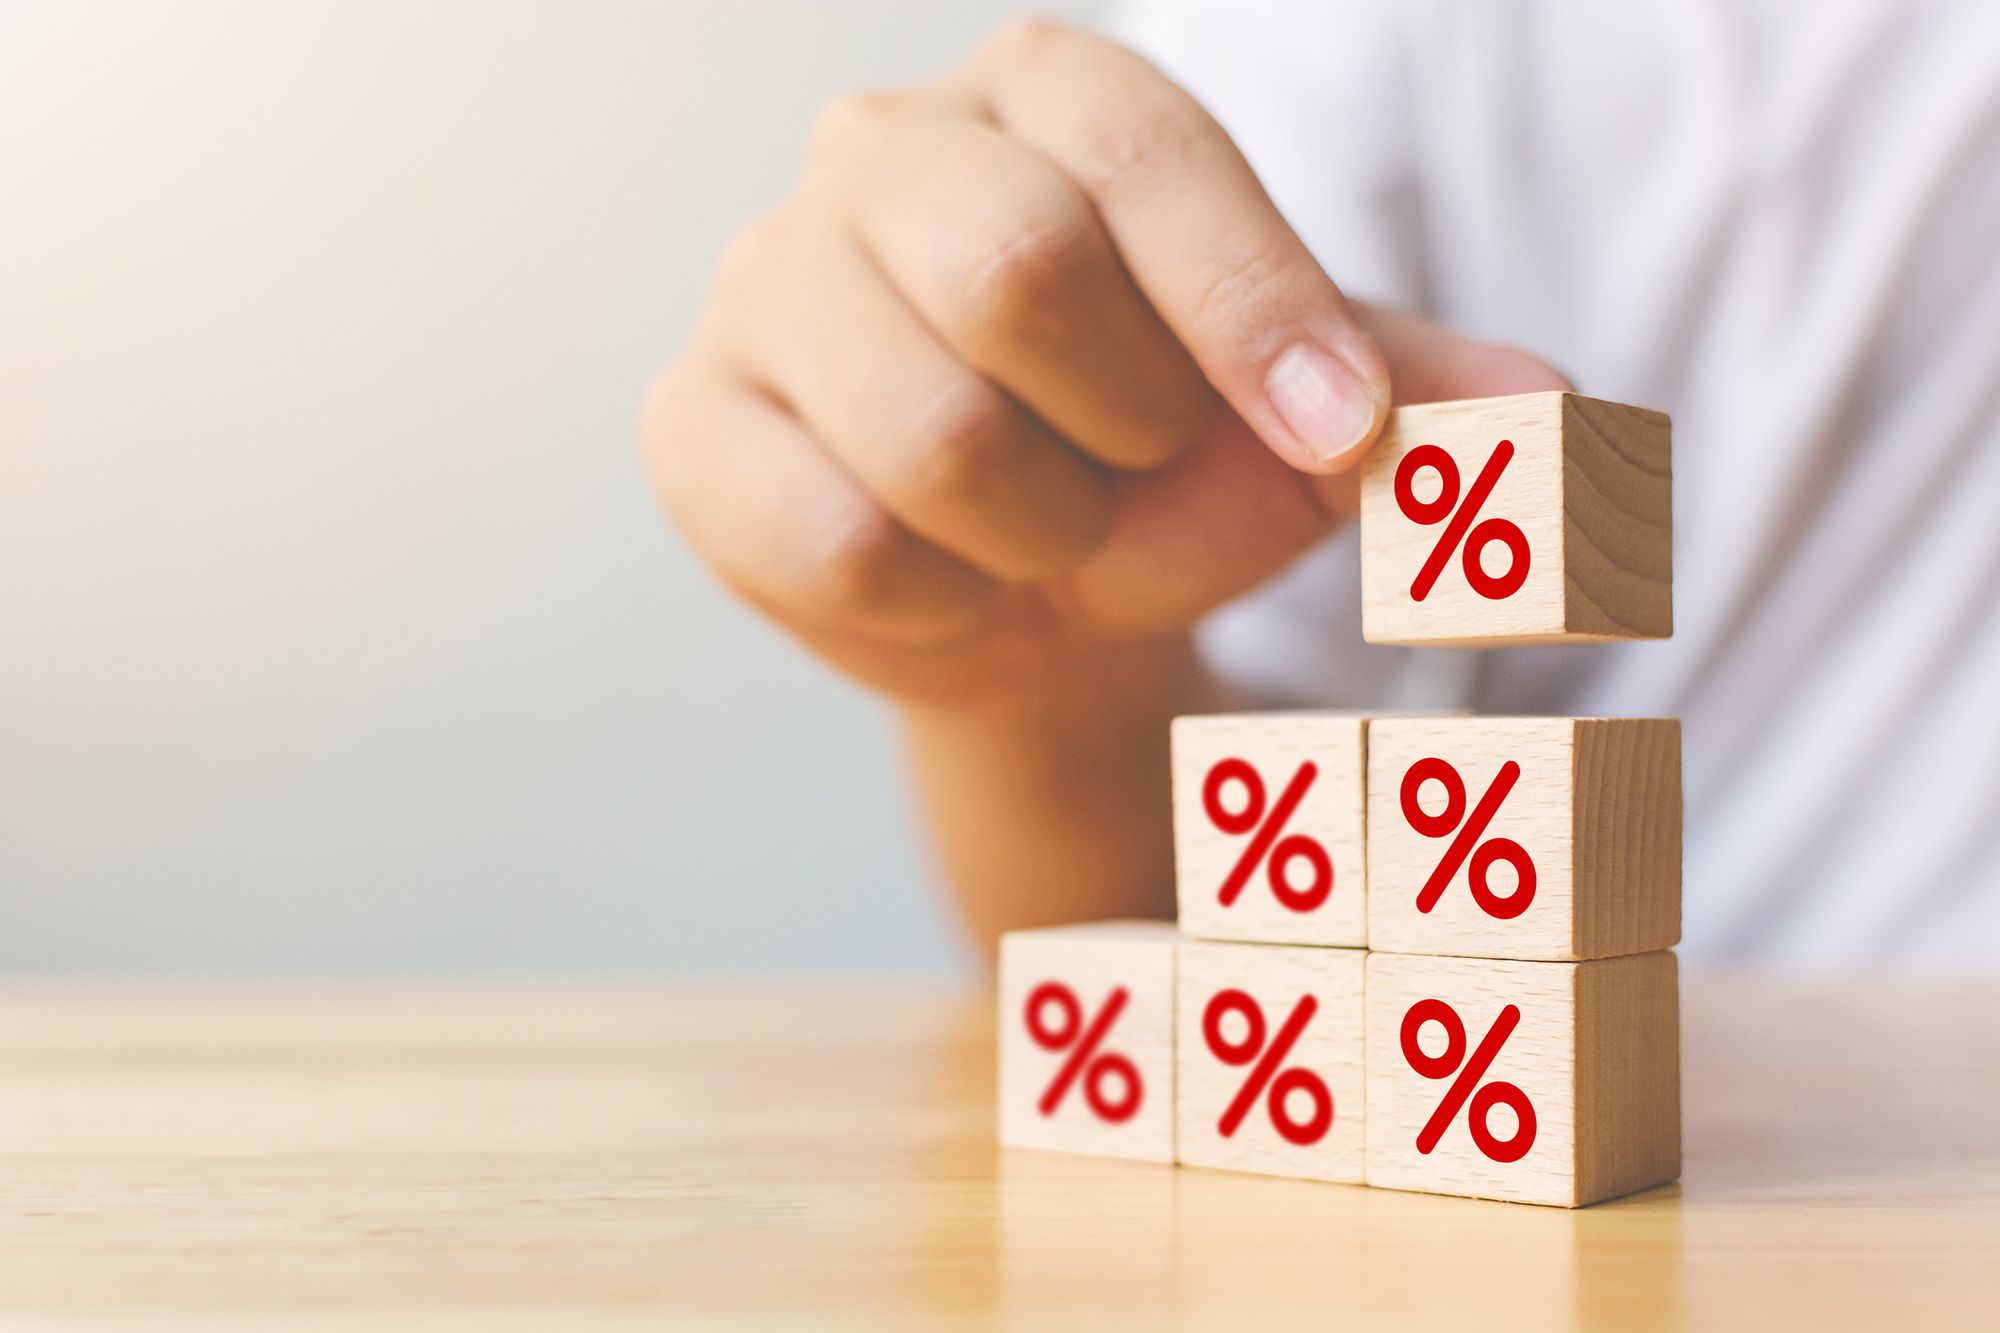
1274,858
1469,829
1266,1074
1470,1071
1082,1041
1459,532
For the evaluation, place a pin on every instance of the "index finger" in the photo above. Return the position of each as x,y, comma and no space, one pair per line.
1202,239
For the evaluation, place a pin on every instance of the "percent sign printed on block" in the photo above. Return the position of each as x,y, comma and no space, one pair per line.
1265,847
1462,533
1082,1040
1086,1036
1469,1070
1266,1078
1270,1059
1467,845
1269,816
1541,1082
1529,837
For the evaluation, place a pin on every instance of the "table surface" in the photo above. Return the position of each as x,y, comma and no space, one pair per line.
759,1157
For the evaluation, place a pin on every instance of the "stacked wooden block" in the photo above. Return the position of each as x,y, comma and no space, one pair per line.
1425,952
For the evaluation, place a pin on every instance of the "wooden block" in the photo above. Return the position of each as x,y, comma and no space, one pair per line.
1458,1046
1269,1068
1299,880
1087,1039
1538,518
1590,808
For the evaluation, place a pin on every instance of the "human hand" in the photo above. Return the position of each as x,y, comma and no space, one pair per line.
1027,366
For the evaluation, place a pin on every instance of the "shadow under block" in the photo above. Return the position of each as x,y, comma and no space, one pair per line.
1594,810
1594,1053
1269,1068
1587,491
1087,1039
1305,881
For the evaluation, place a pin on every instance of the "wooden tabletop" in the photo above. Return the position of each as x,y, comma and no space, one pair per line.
747,1157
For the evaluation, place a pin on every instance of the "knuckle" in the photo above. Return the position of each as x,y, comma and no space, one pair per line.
850,119
748,255
965,438
1019,285
1131,144
1026,35
1237,296
662,430
856,557
681,436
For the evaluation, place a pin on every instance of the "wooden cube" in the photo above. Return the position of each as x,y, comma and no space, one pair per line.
1087,1039
1268,827
1537,518
1553,1083
1524,837
1269,1068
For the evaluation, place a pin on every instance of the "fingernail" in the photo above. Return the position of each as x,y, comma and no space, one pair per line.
1327,406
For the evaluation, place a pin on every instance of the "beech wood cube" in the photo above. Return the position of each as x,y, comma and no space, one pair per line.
1269,1058
1525,837
1552,1083
1087,1039
1537,518
1269,826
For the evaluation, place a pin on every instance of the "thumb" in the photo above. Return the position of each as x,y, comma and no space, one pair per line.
1428,363
1228,514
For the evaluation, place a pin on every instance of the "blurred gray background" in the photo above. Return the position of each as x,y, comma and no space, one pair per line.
338,632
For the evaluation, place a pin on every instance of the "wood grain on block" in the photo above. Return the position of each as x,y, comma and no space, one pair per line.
1303,882
1270,1070
1589,808
1087,1039
1458,1048
1583,484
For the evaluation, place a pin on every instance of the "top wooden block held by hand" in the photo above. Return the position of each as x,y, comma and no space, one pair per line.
1540,518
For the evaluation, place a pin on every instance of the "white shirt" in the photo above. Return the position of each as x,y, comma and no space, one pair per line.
1780,223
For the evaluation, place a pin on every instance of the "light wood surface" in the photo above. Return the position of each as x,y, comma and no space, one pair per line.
1329,812
1325,1103
1595,807
1588,486
755,1158
1087,1038
1587,1052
